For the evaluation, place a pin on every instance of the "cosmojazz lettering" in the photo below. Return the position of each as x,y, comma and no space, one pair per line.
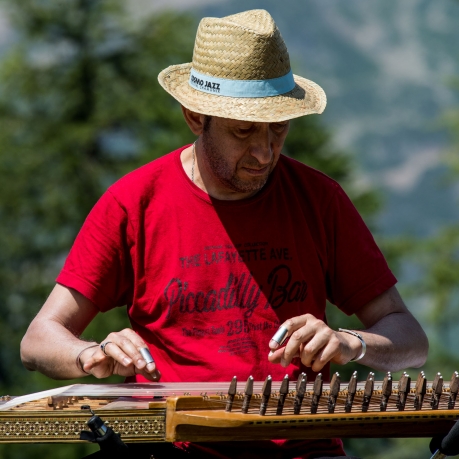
205,85
243,293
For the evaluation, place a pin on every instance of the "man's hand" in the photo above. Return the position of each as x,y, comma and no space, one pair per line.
53,347
121,357
315,343
394,339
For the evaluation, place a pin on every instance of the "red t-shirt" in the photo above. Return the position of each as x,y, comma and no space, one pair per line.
207,282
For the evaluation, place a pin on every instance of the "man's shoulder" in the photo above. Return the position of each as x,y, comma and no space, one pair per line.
147,178
306,175
147,172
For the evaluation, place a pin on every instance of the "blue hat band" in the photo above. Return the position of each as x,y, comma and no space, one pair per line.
241,88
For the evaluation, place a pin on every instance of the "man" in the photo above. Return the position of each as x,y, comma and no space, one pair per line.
216,245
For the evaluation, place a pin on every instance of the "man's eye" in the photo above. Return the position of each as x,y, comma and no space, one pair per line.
244,130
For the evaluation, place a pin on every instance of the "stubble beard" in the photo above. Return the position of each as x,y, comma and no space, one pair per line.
225,173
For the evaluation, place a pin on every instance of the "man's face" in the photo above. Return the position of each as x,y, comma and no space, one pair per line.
240,155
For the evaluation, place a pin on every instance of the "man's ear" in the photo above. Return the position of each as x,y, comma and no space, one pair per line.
194,120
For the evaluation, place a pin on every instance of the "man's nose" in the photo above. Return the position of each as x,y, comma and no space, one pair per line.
261,148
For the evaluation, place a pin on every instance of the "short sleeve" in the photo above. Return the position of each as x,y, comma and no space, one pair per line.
99,265
357,270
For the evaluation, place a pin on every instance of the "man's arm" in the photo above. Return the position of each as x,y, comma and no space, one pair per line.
52,345
394,338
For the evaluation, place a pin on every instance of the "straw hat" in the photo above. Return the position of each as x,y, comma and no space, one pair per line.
241,70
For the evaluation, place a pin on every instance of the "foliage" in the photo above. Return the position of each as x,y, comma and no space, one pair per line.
80,106
430,268
436,261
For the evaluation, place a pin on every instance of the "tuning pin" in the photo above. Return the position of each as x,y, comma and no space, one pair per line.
248,392
265,395
368,391
299,380
316,393
453,389
335,384
386,391
283,391
421,389
231,393
301,389
403,389
437,389
351,390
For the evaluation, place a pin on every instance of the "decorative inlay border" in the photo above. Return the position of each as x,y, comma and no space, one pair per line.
66,427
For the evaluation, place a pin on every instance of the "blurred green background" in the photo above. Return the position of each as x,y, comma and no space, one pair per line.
80,106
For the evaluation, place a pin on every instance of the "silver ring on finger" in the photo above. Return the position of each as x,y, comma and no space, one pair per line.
103,346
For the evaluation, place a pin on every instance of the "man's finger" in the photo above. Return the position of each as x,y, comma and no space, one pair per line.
152,376
298,339
124,347
286,330
311,350
109,350
131,343
279,338
150,361
276,356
